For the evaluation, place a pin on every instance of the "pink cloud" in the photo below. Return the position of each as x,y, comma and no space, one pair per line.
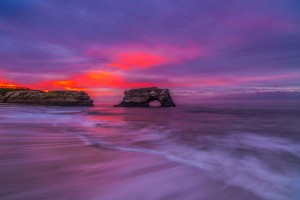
137,56
138,60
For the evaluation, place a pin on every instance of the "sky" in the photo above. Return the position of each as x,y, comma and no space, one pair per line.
196,48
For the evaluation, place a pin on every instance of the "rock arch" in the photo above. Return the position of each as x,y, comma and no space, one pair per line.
141,97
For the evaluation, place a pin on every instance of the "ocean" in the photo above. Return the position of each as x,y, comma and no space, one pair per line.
192,152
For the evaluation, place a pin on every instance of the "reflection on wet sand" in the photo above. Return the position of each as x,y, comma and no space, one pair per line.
104,153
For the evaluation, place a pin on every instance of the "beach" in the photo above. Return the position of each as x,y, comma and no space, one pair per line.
116,153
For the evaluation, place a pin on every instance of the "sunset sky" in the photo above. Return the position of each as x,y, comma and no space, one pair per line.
194,47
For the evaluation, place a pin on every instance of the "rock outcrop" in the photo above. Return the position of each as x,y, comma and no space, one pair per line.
52,98
142,96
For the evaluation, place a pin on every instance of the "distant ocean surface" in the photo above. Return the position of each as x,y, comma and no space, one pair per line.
195,152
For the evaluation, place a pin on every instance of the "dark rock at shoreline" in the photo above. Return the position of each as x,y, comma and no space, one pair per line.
142,96
52,98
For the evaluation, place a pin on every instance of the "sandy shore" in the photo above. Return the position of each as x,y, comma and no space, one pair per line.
42,162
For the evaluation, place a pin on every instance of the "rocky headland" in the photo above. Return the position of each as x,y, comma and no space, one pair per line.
141,97
51,98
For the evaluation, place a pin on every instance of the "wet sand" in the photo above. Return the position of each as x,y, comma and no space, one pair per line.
39,162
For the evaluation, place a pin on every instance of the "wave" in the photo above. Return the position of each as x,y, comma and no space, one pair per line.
250,171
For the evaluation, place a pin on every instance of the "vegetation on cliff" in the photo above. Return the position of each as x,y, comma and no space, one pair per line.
18,95
5,89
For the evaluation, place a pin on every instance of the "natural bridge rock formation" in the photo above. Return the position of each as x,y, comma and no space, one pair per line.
52,98
142,96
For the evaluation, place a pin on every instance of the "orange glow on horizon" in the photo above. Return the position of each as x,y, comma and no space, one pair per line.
64,83
4,84
75,89
88,82
100,78
8,85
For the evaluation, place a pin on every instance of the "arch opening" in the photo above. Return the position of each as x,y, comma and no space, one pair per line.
154,103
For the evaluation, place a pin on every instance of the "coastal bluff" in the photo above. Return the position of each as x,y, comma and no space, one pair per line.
51,98
141,97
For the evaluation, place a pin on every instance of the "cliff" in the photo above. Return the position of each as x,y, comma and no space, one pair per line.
142,96
52,98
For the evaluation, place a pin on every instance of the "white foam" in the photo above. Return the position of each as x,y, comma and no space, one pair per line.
248,172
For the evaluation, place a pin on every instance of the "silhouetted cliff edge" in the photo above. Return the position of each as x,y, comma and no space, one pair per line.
52,98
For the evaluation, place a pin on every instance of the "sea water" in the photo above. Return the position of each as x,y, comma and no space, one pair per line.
205,151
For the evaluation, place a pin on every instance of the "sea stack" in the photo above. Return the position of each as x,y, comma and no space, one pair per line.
142,96
52,98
